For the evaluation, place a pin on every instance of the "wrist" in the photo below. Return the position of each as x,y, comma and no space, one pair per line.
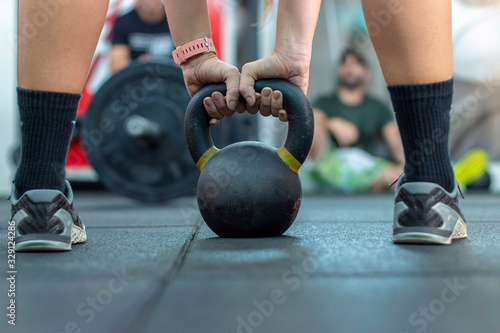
294,56
300,51
183,53
192,64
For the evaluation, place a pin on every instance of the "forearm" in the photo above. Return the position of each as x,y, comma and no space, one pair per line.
322,121
188,20
332,124
295,26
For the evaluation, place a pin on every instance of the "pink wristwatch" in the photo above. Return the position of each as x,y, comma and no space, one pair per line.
186,51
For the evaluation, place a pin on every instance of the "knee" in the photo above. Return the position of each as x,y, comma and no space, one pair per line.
320,119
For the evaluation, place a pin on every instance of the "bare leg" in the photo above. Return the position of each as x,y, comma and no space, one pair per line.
415,46
320,135
57,39
386,178
56,43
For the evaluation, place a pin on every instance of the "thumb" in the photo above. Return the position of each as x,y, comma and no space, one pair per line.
233,94
247,82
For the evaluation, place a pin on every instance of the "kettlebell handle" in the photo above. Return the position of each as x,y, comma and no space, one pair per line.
299,114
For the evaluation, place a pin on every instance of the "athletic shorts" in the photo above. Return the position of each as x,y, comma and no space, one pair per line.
350,170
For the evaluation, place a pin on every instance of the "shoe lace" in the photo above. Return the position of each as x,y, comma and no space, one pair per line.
394,182
460,190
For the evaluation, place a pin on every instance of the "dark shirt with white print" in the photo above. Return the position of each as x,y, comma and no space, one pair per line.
143,38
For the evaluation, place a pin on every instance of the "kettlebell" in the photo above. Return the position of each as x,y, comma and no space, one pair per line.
250,189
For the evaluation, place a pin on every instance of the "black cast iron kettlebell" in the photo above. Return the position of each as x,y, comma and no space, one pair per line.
250,189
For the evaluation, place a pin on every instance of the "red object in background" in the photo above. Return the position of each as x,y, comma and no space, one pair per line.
216,13
86,93
76,154
77,158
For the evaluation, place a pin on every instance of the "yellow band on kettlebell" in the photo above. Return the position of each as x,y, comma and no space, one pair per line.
206,156
289,160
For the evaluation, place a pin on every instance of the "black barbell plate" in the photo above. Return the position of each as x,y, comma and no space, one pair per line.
149,170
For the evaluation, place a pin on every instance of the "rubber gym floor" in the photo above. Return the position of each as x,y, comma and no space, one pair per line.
160,269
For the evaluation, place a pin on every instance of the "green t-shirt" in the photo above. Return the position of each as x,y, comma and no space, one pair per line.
369,117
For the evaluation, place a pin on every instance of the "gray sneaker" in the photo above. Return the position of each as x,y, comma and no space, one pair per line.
425,213
46,220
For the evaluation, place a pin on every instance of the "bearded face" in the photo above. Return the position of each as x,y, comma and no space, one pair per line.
352,74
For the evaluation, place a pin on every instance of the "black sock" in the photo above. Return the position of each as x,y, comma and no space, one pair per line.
47,122
423,117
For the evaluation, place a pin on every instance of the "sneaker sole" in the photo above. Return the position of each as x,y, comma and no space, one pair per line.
423,237
44,243
41,245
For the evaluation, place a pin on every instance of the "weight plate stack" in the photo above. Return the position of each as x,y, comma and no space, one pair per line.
133,133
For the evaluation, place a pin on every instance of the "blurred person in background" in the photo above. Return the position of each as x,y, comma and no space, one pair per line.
350,127
143,33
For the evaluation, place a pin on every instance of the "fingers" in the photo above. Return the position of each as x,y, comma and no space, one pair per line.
240,108
266,101
247,83
271,103
277,103
217,105
212,111
253,109
232,80
221,104
283,116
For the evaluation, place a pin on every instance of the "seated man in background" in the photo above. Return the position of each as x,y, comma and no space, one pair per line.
142,33
349,128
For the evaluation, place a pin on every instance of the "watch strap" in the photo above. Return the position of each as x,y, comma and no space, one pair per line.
186,51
